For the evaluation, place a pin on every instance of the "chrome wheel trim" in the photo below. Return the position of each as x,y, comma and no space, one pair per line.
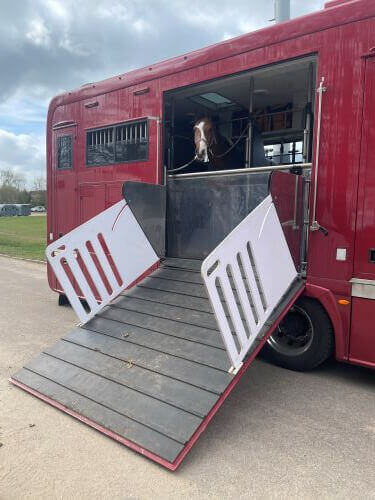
283,342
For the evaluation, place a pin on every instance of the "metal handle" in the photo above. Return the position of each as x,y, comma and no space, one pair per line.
315,226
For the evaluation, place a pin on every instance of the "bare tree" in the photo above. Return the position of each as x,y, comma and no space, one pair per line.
11,178
39,183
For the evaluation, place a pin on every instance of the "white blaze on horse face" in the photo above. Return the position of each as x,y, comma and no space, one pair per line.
202,150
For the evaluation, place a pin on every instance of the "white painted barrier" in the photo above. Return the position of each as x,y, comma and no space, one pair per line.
106,253
246,276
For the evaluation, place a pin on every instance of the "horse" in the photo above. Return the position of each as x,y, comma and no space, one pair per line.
211,147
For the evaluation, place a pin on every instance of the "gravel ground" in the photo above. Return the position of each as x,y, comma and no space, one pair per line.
279,435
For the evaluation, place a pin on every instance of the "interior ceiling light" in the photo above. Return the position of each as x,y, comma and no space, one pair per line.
212,100
216,98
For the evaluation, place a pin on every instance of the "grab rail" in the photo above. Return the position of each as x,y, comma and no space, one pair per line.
315,226
241,171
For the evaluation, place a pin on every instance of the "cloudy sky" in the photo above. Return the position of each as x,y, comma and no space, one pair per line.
50,46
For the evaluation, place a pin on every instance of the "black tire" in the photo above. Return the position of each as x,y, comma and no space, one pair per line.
303,340
63,300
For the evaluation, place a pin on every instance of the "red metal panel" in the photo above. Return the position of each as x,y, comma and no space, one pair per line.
335,3
113,193
362,338
362,335
339,36
91,201
365,237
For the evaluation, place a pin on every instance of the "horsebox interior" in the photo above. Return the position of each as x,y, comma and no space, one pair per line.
265,116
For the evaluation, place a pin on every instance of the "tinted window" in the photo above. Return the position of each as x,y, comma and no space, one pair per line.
64,152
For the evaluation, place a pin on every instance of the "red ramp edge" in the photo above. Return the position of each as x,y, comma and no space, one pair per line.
169,465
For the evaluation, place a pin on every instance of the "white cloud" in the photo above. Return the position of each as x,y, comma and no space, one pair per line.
57,9
50,46
23,153
38,33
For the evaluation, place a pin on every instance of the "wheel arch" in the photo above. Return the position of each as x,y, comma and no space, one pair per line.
327,299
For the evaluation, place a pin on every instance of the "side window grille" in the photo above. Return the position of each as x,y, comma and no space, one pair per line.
117,144
100,147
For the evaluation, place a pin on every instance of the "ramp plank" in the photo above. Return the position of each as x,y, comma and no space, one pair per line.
181,369
206,355
171,273
170,298
163,325
182,395
190,264
178,287
115,422
166,297
175,274
161,417
192,289
179,314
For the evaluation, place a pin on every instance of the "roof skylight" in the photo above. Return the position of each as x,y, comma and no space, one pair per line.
212,100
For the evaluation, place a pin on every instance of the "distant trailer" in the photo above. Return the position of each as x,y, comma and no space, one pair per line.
23,209
8,210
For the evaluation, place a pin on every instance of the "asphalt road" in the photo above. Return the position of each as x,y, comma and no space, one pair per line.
279,435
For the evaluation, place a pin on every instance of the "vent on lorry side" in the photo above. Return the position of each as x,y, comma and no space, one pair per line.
117,144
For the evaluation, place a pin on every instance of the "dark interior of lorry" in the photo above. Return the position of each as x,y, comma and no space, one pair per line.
265,117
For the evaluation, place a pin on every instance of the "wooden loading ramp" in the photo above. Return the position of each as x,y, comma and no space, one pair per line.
150,370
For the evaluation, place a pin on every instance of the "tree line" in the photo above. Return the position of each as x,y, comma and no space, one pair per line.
13,188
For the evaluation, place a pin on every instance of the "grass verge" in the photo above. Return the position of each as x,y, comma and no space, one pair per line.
23,237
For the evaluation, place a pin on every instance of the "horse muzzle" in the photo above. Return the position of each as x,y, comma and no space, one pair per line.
202,155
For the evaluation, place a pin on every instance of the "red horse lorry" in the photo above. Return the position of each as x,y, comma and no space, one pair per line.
275,251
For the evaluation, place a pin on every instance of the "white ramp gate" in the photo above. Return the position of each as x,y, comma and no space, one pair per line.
103,256
246,276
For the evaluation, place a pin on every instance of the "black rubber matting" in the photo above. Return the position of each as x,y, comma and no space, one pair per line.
149,367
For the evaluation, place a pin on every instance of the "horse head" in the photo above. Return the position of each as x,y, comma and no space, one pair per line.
204,138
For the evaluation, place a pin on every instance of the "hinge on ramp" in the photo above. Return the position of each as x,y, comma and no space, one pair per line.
233,371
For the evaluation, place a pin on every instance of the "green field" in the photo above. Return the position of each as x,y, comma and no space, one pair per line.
23,236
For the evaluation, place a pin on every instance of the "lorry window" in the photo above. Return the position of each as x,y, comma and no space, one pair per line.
127,142
260,117
64,152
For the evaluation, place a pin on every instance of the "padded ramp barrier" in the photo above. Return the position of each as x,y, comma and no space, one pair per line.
253,268
100,258
149,370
